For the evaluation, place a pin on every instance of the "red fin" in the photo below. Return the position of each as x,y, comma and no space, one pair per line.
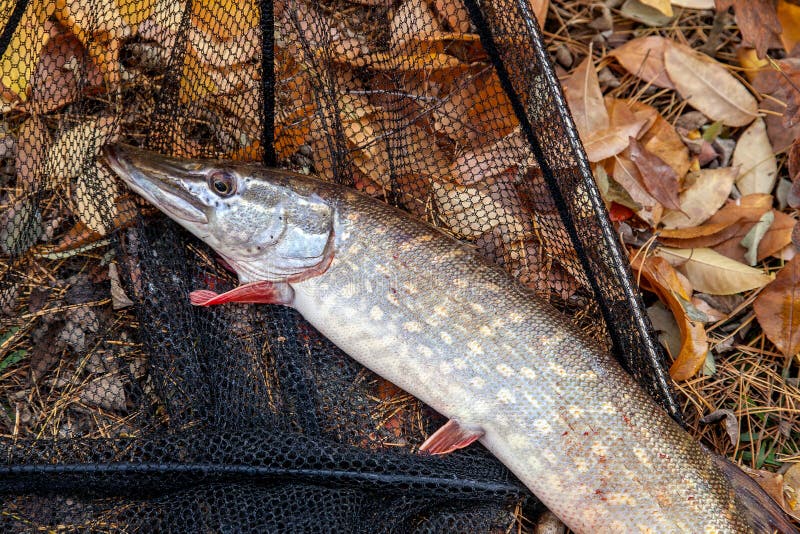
253,293
452,436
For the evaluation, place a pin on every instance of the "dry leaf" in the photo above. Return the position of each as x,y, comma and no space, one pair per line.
644,57
694,4
472,211
225,18
95,199
753,155
20,226
119,299
777,237
708,86
713,273
789,19
664,281
706,191
726,224
750,62
454,13
757,21
627,175
62,74
777,309
585,100
34,140
781,87
474,166
106,392
791,489
753,237
662,140
641,12
221,54
624,124
662,6
731,423
413,19
69,155
22,53
659,178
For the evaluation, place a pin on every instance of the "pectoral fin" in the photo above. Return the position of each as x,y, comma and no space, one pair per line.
261,292
452,436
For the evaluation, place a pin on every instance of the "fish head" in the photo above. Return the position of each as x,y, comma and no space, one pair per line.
267,224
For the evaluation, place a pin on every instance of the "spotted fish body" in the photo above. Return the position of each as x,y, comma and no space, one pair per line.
431,315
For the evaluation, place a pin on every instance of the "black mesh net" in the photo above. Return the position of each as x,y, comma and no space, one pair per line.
124,407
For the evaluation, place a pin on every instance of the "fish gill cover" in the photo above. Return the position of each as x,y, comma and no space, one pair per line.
123,407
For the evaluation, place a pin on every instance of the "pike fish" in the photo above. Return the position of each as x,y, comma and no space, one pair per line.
429,314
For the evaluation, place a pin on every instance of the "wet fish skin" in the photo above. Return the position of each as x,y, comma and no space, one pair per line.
431,315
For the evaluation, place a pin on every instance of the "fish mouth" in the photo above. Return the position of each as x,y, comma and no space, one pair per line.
161,180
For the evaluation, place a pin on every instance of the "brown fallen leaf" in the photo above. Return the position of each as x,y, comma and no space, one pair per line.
777,309
659,178
627,174
722,226
706,191
413,19
662,279
753,156
472,211
473,166
644,57
76,147
713,273
777,237
585,100
95,199
708,86
757,20
663,140
34,140
781,87
454,13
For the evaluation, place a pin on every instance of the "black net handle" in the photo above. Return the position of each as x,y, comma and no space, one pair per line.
654,378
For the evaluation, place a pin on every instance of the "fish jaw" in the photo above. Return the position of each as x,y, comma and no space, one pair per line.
161,182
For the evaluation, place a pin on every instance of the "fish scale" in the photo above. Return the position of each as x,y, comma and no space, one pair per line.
431,315
556,410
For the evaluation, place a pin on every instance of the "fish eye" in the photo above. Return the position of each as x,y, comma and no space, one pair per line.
222,183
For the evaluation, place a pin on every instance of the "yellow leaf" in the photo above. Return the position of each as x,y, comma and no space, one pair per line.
225,18
750,62
22,54
708,86
789,17
662,6
133,12
713,273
